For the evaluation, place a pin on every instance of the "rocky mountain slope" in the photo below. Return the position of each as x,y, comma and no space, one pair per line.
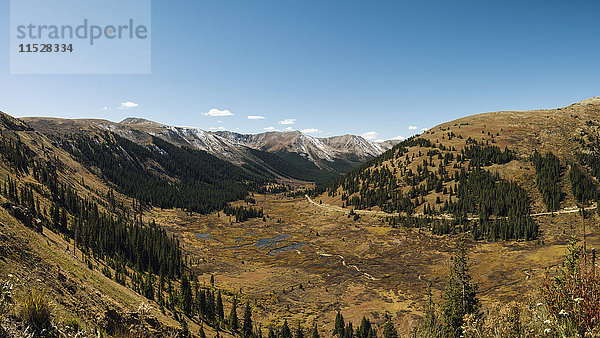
304,157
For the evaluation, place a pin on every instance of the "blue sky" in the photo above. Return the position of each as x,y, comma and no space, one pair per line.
364,67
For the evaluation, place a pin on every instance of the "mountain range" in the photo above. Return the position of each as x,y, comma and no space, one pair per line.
313,159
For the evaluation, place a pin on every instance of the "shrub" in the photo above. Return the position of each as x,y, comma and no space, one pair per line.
72,324
573,295
35,311
509,320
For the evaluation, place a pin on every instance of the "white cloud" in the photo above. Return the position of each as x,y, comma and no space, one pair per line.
399,138
370,135
289,129
412,127
287,121
311,131
255,117
104,108
270,128
216,128
218,113
128,105
219,121
424,129
379,140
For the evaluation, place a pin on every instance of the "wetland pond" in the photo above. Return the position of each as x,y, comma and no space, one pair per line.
273,244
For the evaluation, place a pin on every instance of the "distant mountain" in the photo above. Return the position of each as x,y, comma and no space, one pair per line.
347,147
139,120
289,154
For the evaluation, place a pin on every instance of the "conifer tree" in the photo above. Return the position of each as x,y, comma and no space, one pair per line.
219,305
233,318
339,325
299,331
186,295
247,326
348,331
460,295
285,330
430,316
161,287
364,329
185,332
172,298
210,306
389,331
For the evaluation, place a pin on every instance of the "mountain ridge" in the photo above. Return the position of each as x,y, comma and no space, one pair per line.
317,159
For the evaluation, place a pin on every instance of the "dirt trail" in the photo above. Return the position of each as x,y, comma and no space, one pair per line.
568,210
369,276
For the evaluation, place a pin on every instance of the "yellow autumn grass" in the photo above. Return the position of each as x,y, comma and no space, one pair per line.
35,310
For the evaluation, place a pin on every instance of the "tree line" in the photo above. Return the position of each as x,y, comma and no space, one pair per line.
502,206
242,213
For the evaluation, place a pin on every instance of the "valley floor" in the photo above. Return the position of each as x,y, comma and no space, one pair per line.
304,262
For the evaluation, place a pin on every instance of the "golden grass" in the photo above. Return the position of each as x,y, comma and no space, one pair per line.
34,310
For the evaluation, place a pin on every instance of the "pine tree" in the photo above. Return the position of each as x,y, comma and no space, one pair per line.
210,306
247,326
460,295
201,302
430,316
299,331
172,297
186,295
195,307
161,286
185,332
148,287
285,330
219,305
389,331
339,325
233,318
348,331
364,329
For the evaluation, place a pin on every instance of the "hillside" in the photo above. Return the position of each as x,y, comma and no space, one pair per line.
73,244
481,166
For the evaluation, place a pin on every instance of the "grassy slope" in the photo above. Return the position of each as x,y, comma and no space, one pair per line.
557,130
46,262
